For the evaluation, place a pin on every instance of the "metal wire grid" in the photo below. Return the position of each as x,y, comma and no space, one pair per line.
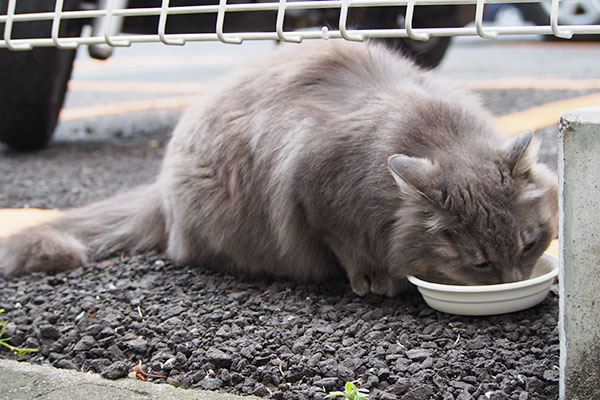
110,19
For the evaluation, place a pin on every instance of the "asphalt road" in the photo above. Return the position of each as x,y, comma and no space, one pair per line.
119,113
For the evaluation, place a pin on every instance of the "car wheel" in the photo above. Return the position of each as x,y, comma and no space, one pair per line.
34,82
428,53
569,13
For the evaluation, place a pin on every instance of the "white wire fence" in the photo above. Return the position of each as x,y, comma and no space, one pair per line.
107,17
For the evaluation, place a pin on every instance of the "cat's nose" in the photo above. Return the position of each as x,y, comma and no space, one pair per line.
518,275
512,275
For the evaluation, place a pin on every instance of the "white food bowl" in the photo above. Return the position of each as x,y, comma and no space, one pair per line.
491,299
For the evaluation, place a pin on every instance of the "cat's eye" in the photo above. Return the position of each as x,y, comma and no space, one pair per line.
528,247
484,265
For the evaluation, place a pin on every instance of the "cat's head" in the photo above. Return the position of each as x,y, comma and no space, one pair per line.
475,218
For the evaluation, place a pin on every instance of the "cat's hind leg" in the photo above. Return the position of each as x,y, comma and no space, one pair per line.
131,221
40,249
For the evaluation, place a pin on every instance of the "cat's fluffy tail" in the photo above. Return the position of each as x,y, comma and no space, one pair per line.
132,221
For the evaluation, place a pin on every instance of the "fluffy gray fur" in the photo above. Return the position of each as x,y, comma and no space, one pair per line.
322,156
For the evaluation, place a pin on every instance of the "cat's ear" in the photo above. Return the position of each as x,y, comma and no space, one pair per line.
521,153
412,174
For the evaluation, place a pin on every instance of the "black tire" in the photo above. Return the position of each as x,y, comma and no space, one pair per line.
34,83
427,54
537,14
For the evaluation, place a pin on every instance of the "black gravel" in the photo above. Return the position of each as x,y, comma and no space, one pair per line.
247,335
274,338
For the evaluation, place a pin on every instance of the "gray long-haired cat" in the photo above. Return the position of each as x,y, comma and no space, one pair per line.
320,156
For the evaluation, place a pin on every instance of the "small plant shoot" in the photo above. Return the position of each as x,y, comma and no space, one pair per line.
4,341
351,392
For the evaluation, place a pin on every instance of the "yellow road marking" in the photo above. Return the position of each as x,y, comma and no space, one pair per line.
158,60
85,64
202,57
535,83
73,113
155,60
136,87
16,220
542,116
511,124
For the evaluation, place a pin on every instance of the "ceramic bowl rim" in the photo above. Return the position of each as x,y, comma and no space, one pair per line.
490,288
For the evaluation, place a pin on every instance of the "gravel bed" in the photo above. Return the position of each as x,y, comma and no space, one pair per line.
274,338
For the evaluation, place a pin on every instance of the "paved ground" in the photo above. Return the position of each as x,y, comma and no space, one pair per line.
101,147
22,381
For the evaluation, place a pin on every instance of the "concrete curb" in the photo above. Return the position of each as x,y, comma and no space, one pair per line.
579,261
24,381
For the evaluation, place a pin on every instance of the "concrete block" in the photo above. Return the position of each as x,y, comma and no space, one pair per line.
579,253
23,381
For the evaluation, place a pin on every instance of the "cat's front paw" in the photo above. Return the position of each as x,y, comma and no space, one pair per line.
383,284
378,282
360,284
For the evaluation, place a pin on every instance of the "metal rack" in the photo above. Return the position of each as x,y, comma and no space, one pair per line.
108,20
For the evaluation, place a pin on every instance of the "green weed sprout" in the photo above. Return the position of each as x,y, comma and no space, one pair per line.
351,393
4,341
